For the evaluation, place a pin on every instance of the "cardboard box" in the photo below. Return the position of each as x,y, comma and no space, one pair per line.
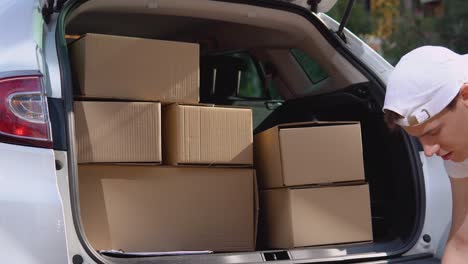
107,66
118,131
158,208
207,135
309,153
297,217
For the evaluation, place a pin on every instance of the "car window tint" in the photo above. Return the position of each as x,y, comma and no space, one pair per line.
274,91
250,83
312,69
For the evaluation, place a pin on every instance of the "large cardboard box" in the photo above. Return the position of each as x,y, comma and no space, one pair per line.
119,67
118,131
309,153
202,134
299,216
158,208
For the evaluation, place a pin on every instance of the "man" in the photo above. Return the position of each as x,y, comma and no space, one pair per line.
427,95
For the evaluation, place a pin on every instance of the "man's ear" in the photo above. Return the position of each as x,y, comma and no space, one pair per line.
464,93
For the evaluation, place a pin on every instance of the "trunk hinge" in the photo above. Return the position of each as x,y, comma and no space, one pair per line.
313,4
49,7
47,10
307,4
59,4
344,20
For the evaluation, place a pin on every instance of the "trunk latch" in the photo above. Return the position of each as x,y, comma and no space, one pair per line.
276,255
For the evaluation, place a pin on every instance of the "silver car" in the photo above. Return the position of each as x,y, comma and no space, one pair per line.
305,67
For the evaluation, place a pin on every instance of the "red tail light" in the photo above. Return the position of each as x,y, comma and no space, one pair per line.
24,117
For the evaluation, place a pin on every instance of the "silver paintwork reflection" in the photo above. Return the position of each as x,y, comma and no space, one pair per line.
31,222
19,27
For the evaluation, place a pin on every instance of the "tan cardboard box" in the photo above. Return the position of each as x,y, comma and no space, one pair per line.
139,69
309,153
297,217
159,208
118,131
202,134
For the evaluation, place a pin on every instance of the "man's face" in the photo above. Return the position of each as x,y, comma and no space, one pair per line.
446,134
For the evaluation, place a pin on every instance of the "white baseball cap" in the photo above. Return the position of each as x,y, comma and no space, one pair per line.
424,82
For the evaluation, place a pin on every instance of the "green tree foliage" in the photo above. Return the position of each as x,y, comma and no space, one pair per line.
453,26
449,29
414,28
360,22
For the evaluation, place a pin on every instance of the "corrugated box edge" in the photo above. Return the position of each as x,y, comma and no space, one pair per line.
175,157
283,237
92,36
361,185
76,48
256,208
315,124
263,140
170,134
80,104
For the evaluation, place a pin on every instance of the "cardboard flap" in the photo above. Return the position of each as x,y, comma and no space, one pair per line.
256,207
289,228
170,134
329,184
79,63
267,155
316,124
276,206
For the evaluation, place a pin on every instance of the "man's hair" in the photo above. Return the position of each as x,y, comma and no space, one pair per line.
391,117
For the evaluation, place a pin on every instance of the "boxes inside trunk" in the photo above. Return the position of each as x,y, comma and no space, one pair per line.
206,135
178,77
163,181
153,208
314,216
160,208
309,153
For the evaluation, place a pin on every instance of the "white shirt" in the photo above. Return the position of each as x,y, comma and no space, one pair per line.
456,169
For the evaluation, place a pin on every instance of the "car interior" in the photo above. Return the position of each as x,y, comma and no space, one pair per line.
280,62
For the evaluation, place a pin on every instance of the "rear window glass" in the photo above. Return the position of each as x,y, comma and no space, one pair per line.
235,76
251,85
312,69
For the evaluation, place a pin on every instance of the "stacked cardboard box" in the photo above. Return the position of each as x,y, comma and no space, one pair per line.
161,208
139,109
207,135
116,67
118,131
312,178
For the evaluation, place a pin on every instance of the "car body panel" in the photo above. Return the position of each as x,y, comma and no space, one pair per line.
32,222
20,46
37,225
437,188
361,50
438,207
74,244
322,6
52,63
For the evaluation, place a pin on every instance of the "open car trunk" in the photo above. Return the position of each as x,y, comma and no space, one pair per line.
267,34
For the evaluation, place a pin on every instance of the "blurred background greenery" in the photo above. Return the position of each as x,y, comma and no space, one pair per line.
395,27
